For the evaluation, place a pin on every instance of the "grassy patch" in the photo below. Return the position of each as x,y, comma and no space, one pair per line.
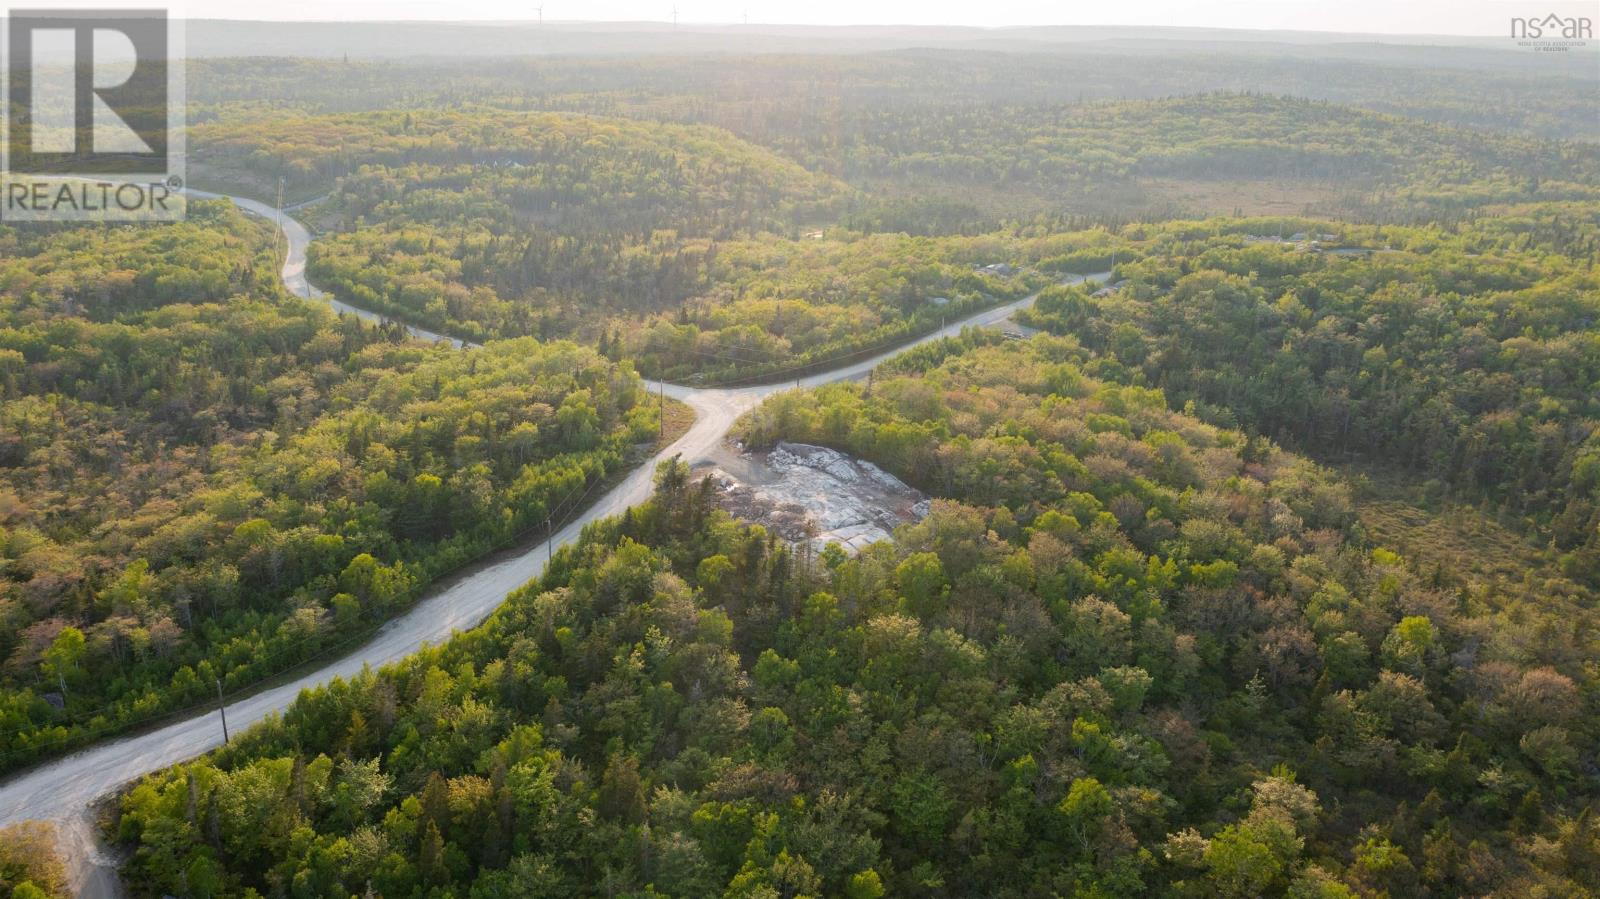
1463,543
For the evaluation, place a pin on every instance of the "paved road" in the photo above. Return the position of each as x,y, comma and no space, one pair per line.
62,790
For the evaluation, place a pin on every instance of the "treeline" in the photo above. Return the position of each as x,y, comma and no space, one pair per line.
1468,356
1136,655
770,96
204,480
987,148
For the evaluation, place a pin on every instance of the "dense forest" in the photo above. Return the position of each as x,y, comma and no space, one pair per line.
1131,654
1263,549
942,139
203,481
1116,159
789,307
624,175
488,224
1466,358
531,225
1131,157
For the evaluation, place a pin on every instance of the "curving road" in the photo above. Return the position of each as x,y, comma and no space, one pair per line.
63,790
294,265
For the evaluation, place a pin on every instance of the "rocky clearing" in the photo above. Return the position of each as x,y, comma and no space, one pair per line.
813,493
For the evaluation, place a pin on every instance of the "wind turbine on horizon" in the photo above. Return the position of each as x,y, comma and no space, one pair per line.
674,17
540,10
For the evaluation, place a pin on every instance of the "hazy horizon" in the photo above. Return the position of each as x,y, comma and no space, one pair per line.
1443,18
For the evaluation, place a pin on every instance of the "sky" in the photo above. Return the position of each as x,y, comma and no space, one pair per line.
1453,17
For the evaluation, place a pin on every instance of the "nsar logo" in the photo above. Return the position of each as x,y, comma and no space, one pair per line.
1552,32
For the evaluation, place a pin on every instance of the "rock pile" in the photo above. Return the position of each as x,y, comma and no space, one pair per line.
814,493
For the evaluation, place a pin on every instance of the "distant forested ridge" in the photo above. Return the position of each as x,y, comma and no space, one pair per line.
1119,157
624,174
761,96
1000,159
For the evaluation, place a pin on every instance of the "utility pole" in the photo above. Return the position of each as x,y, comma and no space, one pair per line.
549,539
223,710
661,410
278,241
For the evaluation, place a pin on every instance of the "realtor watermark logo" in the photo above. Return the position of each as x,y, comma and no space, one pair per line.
93,116
1552,32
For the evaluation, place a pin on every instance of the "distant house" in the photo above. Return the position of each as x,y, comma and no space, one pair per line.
1005,270
939,301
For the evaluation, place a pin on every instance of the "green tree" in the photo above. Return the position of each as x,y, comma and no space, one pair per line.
63,656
